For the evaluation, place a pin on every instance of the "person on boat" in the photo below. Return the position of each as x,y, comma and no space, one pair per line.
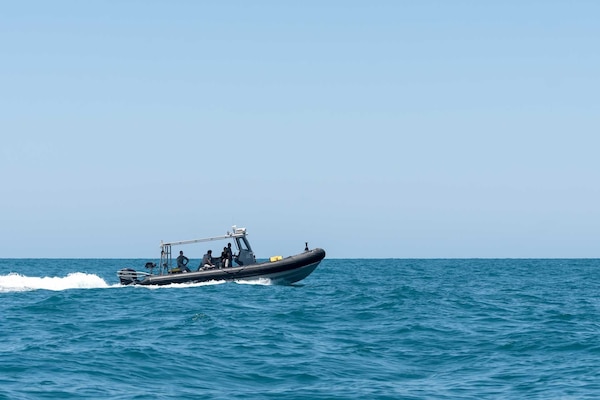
229,255
182,262
225,258
207,261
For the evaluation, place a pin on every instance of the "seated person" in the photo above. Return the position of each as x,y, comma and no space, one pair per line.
182,262
207,262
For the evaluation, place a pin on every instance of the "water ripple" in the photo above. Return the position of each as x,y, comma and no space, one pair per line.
377,329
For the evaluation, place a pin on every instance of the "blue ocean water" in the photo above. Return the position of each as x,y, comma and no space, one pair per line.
354,329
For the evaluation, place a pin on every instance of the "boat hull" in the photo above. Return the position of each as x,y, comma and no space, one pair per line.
281,272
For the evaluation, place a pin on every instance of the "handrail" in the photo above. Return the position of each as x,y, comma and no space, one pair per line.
237,232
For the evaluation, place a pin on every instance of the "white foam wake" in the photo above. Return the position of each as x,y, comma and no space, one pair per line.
183,285
257,281
76,280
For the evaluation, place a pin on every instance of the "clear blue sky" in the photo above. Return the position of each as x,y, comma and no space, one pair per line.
369,128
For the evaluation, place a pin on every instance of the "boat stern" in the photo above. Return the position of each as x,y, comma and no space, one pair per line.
128,276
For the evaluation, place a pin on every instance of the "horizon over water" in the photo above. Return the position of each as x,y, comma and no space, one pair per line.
356,328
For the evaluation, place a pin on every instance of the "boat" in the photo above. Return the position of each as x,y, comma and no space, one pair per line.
244,267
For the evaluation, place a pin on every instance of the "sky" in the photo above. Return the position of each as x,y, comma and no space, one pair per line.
372,129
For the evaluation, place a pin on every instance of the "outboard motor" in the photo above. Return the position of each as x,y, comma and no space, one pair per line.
150,266
127,276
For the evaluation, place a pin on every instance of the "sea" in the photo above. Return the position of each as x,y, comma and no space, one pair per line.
354,329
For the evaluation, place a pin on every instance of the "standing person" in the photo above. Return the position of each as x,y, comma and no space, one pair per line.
182,262
224,258
229,254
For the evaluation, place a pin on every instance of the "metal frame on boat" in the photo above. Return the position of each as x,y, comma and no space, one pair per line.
277,269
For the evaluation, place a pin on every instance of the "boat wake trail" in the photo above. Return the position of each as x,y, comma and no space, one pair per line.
76,280
14,282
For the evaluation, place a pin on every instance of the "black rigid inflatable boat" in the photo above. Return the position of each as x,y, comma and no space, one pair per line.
278,270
